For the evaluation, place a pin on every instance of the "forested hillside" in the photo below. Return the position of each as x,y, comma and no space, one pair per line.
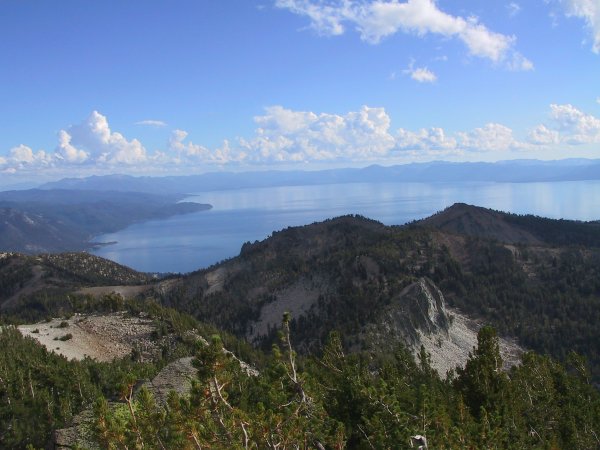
352,401
35,287
343,273
36,221
333,400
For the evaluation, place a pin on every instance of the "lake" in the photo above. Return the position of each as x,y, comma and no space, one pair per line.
193,241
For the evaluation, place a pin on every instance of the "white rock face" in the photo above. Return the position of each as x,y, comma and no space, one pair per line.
419,316
450,349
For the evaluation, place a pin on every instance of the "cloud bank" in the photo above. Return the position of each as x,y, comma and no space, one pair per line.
285,136
93,140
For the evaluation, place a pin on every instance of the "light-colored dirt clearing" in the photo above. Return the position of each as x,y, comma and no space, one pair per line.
101,337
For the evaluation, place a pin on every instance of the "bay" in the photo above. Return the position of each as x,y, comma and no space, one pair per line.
193,241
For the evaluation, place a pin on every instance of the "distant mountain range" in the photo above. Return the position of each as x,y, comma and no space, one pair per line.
504,171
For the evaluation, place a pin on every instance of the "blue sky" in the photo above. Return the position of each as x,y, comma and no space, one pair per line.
178,87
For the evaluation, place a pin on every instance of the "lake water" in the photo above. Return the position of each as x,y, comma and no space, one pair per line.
189,242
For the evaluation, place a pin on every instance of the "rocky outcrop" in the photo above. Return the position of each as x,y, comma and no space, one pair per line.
296,299
79,434
451,348
176,376
418,309
419,316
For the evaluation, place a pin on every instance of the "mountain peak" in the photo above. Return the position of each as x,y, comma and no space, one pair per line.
476,221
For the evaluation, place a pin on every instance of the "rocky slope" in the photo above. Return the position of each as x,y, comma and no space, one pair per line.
102,337
419,317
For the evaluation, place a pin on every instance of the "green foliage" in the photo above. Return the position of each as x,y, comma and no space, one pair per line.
482,381
357,401
548,298
65,337
40,391
227,408
338,400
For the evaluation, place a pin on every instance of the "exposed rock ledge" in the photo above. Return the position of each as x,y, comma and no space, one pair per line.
419,316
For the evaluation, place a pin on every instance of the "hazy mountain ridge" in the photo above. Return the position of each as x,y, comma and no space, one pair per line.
36,221
437,171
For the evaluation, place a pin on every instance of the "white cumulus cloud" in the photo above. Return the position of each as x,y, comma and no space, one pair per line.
378,19
285,135
542,135
67,151
93,140
428,139
575,126
187,152
493,137
422,75
186,149
22,156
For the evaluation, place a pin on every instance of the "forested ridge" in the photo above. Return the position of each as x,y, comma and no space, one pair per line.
321,382
545,294
41,391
